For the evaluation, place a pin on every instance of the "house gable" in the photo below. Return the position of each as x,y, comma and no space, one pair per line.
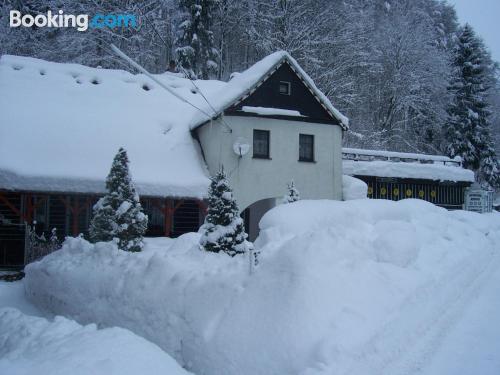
301,98
268,73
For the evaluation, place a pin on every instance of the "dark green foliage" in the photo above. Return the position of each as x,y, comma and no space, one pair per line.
292,194
196,51
223,229
468,128
118,215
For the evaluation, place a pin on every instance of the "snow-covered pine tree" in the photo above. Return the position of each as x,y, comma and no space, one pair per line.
119,213
292,194
468,130
223,229
195,46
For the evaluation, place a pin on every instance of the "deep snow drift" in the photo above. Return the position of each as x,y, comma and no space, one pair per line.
353,188
12,295
342,287
32,345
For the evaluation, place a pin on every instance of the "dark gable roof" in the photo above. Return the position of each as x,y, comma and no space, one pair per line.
239,91
301,99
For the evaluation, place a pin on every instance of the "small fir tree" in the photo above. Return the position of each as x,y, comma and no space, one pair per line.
292,194
468,127
223,229
196,51
118,215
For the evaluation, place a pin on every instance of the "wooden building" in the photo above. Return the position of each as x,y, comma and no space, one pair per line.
395,176
70,215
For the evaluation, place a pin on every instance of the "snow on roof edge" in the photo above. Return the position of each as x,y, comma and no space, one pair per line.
11,181
435,172
401,155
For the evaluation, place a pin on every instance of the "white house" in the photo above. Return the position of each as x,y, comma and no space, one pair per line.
61,125
272,125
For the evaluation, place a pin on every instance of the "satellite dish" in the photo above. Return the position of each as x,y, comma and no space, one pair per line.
241,147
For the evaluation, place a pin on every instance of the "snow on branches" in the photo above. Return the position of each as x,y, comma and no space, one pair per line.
196,51
468,126
223,229
292,194
118,215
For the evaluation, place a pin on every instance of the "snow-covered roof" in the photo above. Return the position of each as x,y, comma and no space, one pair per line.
359,162
245,83
62,124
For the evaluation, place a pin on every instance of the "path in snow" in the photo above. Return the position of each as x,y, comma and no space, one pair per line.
465,338
472,345
12,295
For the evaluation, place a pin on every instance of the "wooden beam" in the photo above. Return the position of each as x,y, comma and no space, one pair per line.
167,217
29,209
168,214
203,207
75,214
12,207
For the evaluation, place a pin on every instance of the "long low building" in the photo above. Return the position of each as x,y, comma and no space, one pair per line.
398,175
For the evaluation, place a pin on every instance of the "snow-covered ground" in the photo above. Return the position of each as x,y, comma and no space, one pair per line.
12,295
357,287
32,344
471,343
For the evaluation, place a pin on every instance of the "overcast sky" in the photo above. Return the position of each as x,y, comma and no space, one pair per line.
484,16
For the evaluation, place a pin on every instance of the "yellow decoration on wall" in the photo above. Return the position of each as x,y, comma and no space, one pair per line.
370,190
383,191
421,193
395,191
433,193
409,192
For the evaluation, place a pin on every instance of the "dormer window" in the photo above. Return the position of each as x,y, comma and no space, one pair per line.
285,88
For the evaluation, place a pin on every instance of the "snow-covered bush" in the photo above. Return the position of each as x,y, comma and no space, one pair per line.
223,229
118,215
292,194
32,345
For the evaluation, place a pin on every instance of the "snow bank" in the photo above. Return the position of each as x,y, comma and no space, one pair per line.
12,295
32,345
353,188
342,287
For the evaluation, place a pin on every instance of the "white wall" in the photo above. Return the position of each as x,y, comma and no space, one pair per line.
256,179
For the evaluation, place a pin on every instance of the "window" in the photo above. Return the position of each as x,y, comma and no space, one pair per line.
261,144
285,88
306,147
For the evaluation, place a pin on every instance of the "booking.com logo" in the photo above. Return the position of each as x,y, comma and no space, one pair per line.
79,21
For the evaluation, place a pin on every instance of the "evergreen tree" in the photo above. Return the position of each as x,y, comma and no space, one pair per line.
196,51
468,128
292,194
223,229
119,214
